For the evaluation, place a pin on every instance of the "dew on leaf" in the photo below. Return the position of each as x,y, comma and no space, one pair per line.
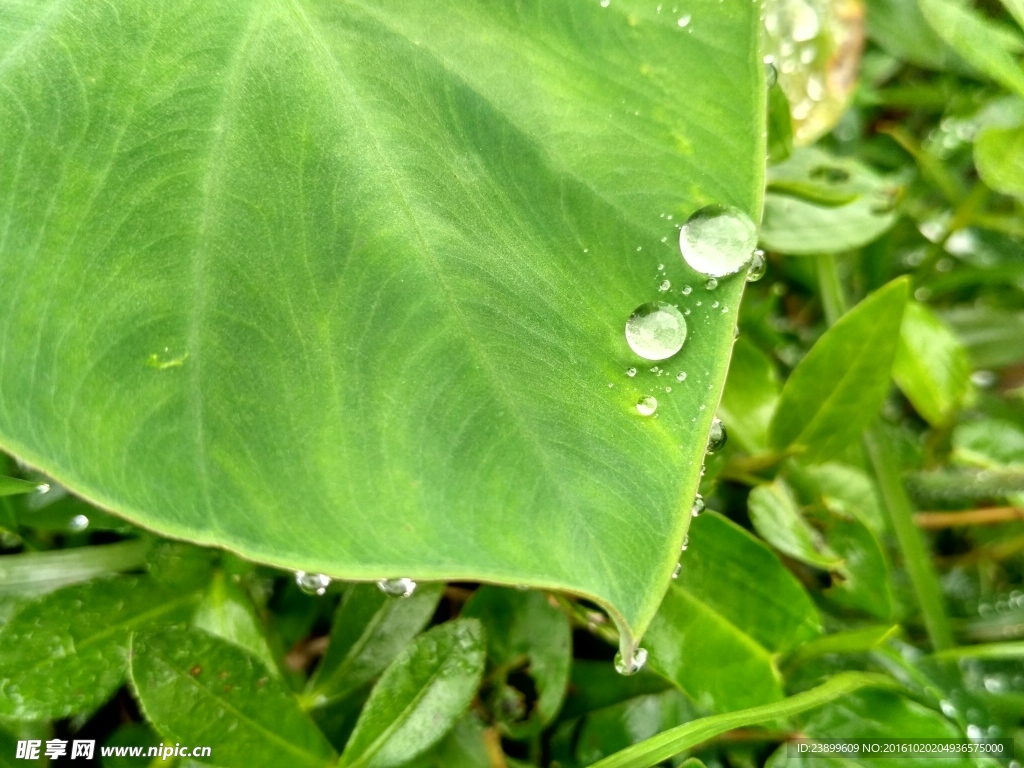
78,523
757,267
698,506
397,587
677,570
711,284
717,436
656,330
635,664
647,405
718,240
665,285
631,372
312,583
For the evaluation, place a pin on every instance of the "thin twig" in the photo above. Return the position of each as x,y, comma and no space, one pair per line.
989,516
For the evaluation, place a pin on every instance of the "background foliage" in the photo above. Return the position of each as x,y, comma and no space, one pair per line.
859,571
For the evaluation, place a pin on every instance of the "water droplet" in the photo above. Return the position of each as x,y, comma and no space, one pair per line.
656,330
687,290
668,389
683,20
757,267
718,240
717,436
631,372
665,285
635,664
714,305
661,267
771,75
698,506
711,284
312,583
647,405
678,569
610,385
681,376
974,732
43,488
984,379
397,587
78,523
686,543
605,3
947,708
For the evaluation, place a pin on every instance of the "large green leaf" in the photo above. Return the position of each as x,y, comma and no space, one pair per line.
341,286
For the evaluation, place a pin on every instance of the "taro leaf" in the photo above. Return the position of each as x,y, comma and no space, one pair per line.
733,607
818,203
931,365
195,688
837,389
67,652
526,635
419,697
370,629
341,286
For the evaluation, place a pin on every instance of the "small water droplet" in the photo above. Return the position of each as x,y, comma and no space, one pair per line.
605,3
647,405
711,284
661,267
635,664
668,389
718,240
947,708
656,330
397,587
610,385
687,290
698,506
683,20
717,437
681,376
78,523
771,75
677,570
686,543
665,285
757,267
43,488
312,583
631,372
714,305
974,732
686,311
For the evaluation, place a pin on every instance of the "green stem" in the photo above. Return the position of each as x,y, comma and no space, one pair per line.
923,576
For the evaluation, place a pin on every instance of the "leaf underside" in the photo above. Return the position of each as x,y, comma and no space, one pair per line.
341,286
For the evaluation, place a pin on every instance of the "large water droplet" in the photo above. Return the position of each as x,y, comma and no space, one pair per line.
757,267
635,664
312,583
717,436
718,240
397,587
656,330
698,506
646,405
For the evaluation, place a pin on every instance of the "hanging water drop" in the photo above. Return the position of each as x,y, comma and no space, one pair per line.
646,405
665,285
677,570
397,587
635,664
631,372
78,523
698,506
757,267
312,583
718,240
771,75
717,436
656,330
686,543
711,284
43,488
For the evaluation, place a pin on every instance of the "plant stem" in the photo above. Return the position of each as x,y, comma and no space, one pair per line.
923,576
